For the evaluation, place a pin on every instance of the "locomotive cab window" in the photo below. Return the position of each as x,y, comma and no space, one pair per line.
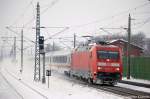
107,55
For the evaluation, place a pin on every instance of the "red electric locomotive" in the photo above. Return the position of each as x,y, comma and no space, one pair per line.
97,63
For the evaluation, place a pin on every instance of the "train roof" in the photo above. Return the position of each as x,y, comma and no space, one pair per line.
91,45
61,52
113,46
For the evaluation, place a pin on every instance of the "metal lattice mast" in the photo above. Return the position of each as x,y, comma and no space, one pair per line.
37,50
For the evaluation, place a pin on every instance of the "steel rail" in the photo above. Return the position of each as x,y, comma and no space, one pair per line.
41,94
11,86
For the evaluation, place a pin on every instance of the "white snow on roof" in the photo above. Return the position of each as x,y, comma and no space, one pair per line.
111,41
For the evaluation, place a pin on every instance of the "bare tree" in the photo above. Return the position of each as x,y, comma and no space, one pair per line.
138,39
147,47
48,48
54,47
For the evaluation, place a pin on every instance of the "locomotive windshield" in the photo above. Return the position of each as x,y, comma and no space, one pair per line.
107,55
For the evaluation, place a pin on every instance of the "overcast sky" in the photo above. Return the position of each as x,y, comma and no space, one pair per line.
83,17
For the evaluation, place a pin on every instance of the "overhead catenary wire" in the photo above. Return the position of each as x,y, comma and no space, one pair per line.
22,15
42,12
33,18
55,1
19,34
61,42
141,24
109,17
34,12
50,6
57,33
134,24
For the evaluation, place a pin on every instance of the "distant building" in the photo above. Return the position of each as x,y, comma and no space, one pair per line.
134,49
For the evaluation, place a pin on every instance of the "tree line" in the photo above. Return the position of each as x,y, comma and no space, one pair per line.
138,39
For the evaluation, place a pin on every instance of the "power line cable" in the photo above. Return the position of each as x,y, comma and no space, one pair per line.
57,33
142,23
51,5
109,17
22,15
61,42
34,12
19,34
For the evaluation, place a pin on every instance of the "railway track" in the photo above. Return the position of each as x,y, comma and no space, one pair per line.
36,91
125,92
11,86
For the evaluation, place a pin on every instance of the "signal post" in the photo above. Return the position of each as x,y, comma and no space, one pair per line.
42,52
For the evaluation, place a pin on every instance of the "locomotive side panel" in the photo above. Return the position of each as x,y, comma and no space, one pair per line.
81,64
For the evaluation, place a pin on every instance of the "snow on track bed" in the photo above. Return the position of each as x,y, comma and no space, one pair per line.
125,92
7,91
24,89
60,88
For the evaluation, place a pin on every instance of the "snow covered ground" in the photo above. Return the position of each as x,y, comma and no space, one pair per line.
59,87
7,91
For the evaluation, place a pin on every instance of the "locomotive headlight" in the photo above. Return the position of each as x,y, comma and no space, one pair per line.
117,69
101,64
99,68
115,64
